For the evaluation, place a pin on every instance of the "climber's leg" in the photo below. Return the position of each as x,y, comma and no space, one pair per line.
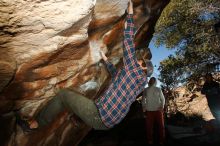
83,107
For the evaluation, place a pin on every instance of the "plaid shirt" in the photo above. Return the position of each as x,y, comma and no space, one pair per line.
126,84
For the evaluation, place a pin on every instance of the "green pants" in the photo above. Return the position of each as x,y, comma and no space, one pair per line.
67,99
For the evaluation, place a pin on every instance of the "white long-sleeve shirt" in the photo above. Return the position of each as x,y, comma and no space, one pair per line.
153,99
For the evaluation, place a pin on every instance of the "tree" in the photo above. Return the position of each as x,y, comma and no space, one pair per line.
188,27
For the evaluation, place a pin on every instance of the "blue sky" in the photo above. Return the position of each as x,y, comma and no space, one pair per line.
158,54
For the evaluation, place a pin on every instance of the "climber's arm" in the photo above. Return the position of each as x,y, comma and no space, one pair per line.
111,68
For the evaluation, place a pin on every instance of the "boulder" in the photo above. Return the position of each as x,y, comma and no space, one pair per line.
47,45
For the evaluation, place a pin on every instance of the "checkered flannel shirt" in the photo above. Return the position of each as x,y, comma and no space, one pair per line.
126,84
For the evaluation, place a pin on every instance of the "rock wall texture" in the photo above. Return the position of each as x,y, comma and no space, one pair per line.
51,44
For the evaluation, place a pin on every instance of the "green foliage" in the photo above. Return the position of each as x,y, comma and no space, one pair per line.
171,65
188,27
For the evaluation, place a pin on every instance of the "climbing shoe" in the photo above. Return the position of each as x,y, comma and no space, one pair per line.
23,123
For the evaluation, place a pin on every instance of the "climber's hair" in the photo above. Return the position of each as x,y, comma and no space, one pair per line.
142,54
152,81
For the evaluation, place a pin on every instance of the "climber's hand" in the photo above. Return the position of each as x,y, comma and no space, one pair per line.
130,7
103,55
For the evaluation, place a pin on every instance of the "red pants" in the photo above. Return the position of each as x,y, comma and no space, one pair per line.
155,118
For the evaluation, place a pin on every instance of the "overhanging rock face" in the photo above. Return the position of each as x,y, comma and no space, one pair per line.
51,44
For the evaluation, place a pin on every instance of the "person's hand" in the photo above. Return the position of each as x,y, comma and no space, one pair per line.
130,7
103,55
160,109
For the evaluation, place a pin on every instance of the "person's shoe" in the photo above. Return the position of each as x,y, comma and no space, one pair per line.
150,143
24,124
